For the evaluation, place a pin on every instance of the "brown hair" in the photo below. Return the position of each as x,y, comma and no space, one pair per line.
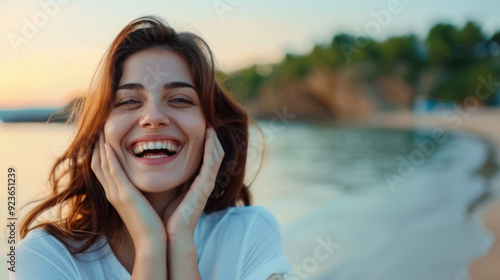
88,215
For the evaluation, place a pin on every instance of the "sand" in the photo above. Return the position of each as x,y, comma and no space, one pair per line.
484,122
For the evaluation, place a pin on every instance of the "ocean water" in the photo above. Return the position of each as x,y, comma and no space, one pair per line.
352,202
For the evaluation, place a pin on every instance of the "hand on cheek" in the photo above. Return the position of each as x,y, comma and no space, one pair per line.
135,210
182,223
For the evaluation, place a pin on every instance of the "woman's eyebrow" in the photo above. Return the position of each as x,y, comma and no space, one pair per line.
171,85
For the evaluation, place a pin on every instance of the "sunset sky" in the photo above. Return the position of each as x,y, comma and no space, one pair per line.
51,62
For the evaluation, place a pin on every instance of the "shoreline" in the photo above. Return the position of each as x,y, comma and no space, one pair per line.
482,122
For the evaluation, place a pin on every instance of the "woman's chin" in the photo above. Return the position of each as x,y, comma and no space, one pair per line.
155,187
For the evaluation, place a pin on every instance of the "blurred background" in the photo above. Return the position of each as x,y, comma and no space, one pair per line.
381,118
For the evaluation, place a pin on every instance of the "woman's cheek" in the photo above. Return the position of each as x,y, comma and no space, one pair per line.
196,124
109,130
198,141
113,134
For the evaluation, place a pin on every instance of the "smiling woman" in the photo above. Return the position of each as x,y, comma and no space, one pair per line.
147,116
152,185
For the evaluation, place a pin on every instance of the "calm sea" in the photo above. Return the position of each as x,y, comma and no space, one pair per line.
352,202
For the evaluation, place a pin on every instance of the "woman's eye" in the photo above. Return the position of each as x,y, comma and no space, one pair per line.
181,100
127,102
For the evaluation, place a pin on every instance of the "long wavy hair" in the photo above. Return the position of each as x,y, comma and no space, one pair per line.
84,213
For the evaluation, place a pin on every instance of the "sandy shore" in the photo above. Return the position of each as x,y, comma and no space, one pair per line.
484,122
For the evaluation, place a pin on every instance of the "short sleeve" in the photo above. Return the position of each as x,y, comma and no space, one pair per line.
264,256
41,256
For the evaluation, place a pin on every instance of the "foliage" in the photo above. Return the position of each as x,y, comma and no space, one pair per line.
456,56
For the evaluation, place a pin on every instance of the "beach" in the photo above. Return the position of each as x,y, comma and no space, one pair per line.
483,122
332,191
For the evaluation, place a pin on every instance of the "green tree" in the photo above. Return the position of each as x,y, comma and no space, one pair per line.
322,56
441,42
350,48
468,37
496,37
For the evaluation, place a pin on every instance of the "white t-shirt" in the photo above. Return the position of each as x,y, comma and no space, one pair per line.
234,243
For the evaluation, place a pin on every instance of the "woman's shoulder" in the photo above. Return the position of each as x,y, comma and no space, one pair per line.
40,239
243,213
242,210
239,219
43,256
247,237
41,253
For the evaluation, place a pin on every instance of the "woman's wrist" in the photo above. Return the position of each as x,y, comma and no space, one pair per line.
183,246
151,246
151,255
183,260
150,263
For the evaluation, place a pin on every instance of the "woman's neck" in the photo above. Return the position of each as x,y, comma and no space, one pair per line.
160,201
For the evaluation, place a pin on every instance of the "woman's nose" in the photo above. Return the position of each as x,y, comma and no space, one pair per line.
154,116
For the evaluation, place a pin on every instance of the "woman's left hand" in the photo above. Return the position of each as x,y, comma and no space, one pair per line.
180,225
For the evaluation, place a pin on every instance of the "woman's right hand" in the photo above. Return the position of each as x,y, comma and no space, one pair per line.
142,222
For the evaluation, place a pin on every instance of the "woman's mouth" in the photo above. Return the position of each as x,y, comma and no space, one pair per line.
155,149
155,152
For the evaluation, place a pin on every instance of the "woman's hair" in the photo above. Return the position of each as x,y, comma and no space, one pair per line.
84,212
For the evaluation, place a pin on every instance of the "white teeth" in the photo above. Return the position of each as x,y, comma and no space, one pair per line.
142,146
156,156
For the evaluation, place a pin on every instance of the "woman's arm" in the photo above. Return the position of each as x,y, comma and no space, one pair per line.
180,226
183,261
150,263
142,222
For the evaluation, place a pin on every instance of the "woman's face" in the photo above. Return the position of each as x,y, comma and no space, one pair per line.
156,112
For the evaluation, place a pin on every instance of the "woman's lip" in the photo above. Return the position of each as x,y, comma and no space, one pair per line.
156,161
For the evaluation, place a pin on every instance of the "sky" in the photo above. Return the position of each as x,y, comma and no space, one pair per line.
49,49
